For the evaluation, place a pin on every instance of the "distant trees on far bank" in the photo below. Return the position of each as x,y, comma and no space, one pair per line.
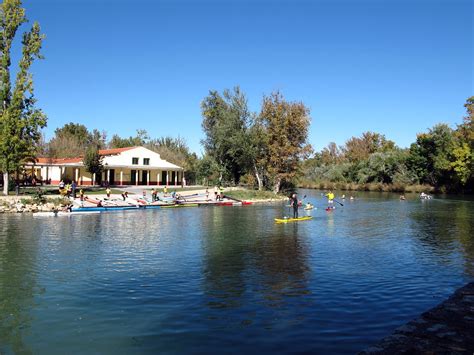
441,158
269,150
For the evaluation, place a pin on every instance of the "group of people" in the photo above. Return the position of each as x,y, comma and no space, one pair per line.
154,194
218,193
295,203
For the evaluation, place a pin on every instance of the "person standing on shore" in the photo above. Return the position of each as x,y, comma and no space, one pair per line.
73,188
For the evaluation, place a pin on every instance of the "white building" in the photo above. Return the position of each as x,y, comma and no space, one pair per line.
122,166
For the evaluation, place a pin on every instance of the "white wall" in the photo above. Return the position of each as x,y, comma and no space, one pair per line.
125,159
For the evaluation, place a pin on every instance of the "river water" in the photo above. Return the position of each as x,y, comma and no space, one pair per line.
228,279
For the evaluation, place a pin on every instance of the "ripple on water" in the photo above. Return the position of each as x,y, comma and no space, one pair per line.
228,279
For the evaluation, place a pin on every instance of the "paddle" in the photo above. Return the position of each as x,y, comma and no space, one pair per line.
338,202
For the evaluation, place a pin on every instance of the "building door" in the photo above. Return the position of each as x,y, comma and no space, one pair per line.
144,177
163,177
173,177
133,177
112,177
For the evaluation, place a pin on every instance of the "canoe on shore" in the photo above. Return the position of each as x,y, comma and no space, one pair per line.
103,209
62,214
181,205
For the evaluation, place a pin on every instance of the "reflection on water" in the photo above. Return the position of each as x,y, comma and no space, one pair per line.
17,287
229,279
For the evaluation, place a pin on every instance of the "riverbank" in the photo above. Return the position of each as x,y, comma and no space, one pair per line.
376,187
32,204
445,329
254,196
21,204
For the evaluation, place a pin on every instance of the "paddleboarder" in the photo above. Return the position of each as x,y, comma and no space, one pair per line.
330,196
294,203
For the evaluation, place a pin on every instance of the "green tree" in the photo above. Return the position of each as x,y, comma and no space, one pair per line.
462,157
332,154
226,120
359,148
73,139
141,138
176,151
207,170
462,162
286,124
258,152
20,120
93,161
429,156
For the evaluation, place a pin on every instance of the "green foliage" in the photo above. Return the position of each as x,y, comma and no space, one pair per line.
286,127
93,161
140,139
38,196
72,140
226,121
429,155
360,148
462,162
20,120
246,195
238,142
441,158
208,171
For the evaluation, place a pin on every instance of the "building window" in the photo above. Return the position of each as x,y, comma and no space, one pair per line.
134,161
146,161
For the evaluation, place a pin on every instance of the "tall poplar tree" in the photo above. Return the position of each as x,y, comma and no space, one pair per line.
226,119
20,120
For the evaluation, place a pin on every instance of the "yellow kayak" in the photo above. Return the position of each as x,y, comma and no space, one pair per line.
288,220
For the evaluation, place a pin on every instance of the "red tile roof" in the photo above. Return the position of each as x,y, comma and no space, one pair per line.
114,151
58,160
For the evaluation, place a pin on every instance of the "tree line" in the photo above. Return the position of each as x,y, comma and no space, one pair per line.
267,149
441,158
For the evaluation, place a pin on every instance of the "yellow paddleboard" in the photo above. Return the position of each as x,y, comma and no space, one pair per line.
288,220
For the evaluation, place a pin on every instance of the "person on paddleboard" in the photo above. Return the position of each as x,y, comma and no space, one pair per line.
294,203
330,196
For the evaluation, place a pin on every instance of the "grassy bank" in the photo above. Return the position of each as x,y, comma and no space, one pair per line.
254,195
366,187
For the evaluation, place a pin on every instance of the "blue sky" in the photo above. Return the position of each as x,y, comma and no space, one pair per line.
394,67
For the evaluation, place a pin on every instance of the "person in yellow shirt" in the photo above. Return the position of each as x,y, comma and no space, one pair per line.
330,196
